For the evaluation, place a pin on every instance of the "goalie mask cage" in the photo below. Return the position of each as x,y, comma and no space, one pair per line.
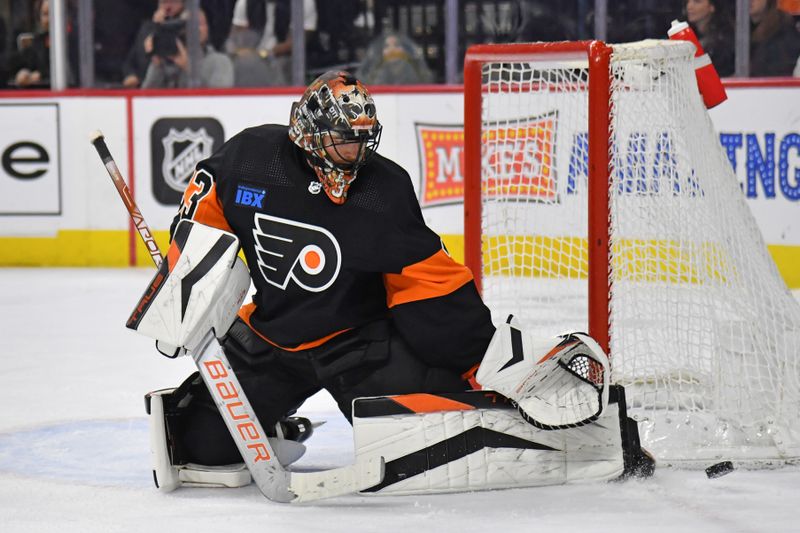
597,196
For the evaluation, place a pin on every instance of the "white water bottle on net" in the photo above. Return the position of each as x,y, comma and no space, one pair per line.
598,198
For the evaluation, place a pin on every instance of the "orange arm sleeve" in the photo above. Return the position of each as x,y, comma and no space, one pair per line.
438,275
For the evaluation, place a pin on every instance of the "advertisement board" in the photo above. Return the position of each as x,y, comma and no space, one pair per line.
52,184
30,159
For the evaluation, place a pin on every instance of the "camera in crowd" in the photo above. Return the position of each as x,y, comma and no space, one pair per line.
166,35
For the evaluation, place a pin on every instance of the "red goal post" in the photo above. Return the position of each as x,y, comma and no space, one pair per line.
598,126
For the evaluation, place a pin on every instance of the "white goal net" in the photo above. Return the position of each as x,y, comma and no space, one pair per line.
701,329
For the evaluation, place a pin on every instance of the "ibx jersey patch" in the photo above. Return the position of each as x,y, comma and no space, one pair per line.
248,196
290,250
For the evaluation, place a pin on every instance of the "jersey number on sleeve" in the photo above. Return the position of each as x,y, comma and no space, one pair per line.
199,187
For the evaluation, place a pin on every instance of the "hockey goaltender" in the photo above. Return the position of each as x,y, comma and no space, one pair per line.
354,294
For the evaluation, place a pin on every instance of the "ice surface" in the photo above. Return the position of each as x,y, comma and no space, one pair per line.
74,449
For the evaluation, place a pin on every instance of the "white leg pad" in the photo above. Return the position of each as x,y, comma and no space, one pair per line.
169,477
165,474
482,446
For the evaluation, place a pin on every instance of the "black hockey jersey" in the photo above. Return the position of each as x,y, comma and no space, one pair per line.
320,269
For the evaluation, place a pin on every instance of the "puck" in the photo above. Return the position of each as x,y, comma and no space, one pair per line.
719,469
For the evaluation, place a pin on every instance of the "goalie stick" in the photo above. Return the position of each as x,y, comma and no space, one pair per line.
99,143
275,482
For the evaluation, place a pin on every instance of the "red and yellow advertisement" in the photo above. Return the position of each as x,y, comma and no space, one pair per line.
517,160
441,150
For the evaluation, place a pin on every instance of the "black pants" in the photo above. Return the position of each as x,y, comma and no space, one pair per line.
371,361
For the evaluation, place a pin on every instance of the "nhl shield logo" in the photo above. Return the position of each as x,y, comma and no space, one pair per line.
314,187
177,144
182,151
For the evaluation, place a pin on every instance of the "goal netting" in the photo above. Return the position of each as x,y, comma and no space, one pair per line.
599,198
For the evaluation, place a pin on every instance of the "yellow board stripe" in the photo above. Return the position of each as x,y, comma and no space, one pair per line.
552,257
555,257
76,248
787,258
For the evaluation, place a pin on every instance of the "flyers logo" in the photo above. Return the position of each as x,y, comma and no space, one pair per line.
289,250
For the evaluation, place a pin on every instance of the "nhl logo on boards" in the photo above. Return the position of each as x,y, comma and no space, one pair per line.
177,145
182,151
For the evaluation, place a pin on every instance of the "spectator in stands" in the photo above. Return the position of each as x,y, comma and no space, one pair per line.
115,28
774,40
3,35
271,21
394,59
3,60
338,41
714,26
29,66
169,64
138,60
540,21
250,68
219,14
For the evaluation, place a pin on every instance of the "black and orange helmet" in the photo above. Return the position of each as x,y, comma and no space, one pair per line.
336,112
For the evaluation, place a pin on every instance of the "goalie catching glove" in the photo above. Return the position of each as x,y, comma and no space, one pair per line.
557,383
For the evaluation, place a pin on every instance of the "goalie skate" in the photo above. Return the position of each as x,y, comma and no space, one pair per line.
557,383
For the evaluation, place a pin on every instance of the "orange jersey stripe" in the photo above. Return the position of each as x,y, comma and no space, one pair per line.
430,403
435,276
247,310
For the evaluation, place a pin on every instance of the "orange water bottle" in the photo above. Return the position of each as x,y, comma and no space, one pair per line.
708,81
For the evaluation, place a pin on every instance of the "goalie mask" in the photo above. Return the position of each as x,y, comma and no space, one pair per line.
336,124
